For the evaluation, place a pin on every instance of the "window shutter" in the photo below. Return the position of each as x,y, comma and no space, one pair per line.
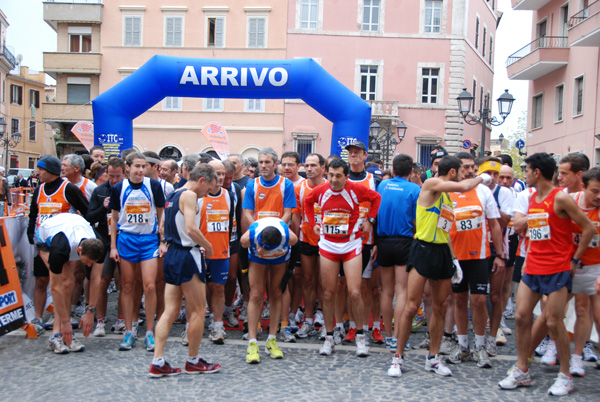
137,31
219,25
20,98
252,34
177,31
260,34
170,32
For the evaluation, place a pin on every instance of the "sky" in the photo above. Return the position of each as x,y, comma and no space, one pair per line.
512,34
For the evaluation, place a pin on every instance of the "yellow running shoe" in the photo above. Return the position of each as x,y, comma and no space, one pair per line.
252,356
273,350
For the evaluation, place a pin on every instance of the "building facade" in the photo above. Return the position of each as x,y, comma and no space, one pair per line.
561,64
7,63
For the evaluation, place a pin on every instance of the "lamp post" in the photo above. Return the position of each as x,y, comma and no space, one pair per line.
6,141
465,100
389,138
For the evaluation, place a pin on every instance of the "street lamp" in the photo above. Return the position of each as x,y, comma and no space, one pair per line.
390,140
7,141
465,101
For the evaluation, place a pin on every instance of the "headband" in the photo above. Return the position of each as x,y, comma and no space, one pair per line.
489,166
100,173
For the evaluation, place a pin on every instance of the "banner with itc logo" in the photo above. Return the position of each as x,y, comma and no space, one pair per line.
12,312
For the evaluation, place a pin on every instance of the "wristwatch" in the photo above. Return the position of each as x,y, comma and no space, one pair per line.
372,220
163,240
92,309
576,261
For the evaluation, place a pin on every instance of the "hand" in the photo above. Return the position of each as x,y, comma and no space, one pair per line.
458,274
499,265
374,254
162,250
114,254
87,323
208,251
366,227
106,201
67,331
487,179
317,230
574,267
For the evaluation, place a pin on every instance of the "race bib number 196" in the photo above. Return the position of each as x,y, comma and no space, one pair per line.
539,226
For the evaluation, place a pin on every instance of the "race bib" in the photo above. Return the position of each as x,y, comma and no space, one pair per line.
109,220
217,221
510,229
233,236
578,231
539,226
468,218
446,218
47,210
137,212
317,214
267,214
336,223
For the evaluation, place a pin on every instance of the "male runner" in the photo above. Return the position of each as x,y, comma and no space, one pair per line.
168,171
97,153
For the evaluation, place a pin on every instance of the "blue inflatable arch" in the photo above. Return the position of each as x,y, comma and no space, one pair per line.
162,76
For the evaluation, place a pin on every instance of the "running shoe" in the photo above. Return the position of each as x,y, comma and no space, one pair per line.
562,386
55,344
435,365
119,327
299,316
362,348
74,321
425,343
230,320
576,366
273,350
266,313
392,344
481,357
500,338
395,369
328,346
181,319
252,355
509,314
505,328
76,346
128,342
287,335
530,361
541,349
490,347
322,334
79,310
319,319
50,323
418,321
184,338
202,367
163,371
38,324
306,331
100,330
377,336
549,357
217,335
516,378
338,335
243,315
459,354
351,335
447,345
588,353
149,342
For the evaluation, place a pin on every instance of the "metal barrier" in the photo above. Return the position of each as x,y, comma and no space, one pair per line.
544,42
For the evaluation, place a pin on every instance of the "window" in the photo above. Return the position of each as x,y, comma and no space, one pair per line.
16,94
433,16
32,136
563,27
14,161
172,103
541,33
474,96
491,49
371,15
78,90
477,33
216,32
304,144
536,116
80,39
34,98
14,126
132,30
368,82
483,41
255,105
559,94
309,14
425,154
578,96
213,104
31,162
429,90
3,91
173,31
257,32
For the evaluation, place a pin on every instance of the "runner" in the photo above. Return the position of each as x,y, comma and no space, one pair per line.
340,241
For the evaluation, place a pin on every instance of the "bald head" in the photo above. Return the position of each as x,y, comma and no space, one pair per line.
506,177
220,171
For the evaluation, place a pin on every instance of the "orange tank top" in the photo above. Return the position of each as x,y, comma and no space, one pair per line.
468,232
365,206
592,253
214,222
268,201
307,234
51,204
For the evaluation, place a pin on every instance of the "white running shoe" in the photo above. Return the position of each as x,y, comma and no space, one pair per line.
395,369
306,331
576,366
500,338
184,337
436,365
100,330
75,345
541,348
588,353
299,316
328,346
119,327
319,319
505,328
516,378
362,350
338,335
447,345
56,344
243,316
549,357
266,313
562,386
230,320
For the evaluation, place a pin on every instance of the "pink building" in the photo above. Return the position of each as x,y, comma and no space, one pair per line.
561,63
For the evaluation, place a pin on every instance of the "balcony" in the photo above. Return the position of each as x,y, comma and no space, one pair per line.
7,58
538,58
584,27
529,4
71,63
66,112
74,11
381,110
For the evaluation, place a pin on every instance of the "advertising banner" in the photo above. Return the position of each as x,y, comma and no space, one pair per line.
216,135
12,312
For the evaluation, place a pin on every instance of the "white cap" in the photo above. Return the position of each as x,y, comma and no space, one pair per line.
2,169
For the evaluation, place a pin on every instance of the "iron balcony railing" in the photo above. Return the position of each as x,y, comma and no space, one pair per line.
543,42
8,55
584,14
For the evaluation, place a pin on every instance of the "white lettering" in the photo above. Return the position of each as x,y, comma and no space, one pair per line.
258,81
11,317
8,299
244,78
284,76
189,74
209,73
229,74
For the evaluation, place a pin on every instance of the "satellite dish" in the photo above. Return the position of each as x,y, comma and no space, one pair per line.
19,58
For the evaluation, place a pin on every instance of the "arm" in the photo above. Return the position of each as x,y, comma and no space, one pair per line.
520,222
96,210
188,205
162,247
287,214
567,204
87,321
247,218
296,223
496,232
293,238
33,213
436,185
245,240
76,198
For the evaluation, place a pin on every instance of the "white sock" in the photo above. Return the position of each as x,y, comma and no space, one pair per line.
490,338
187,324
353,324
217,324
158,361
309,321
479,341
366,328
270,336
577,357
251,340
340,325
376,324
149,333
193,360
463,340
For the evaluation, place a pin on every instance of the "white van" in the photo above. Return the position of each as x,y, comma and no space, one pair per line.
13,172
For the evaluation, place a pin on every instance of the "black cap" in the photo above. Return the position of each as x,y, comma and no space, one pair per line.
438,154
50,163
357,144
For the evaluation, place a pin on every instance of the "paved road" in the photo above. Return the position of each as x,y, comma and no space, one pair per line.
31,372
